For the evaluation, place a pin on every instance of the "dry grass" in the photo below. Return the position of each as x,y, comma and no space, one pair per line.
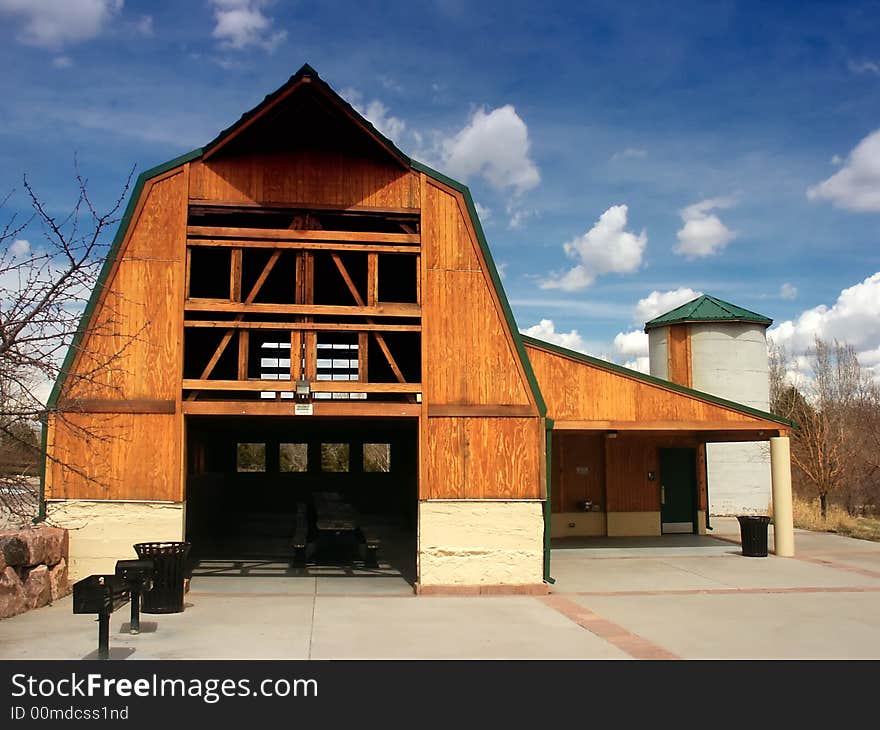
807,516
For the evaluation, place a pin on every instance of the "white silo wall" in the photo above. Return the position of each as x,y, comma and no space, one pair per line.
658,363
730,361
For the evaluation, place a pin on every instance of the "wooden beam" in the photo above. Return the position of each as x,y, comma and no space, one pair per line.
381,310
363,362
667,425
285,234
349,282
329,326
109,405
227,337
301,245
296,339
465,410
318,386
254,206
244,338
188,272
372,279
395,368
311,356
350,408
261,279
218,353
386,351
235,275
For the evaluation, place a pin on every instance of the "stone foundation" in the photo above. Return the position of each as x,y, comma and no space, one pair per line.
102,532
33,568
481,543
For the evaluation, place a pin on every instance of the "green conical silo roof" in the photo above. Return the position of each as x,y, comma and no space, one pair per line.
707,309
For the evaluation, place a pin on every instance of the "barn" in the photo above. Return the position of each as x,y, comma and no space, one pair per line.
297,320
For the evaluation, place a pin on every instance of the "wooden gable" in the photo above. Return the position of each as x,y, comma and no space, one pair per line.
589,395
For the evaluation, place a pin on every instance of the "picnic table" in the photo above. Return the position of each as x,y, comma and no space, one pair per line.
336,521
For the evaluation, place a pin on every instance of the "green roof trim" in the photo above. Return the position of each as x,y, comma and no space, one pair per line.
707,308
496,280
650,379
109,260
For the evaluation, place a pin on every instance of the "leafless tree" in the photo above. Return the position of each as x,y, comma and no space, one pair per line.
832,405
49,265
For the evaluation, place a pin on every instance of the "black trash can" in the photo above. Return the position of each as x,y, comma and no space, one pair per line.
169,561
753,534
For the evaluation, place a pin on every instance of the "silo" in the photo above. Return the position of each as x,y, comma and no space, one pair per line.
721,349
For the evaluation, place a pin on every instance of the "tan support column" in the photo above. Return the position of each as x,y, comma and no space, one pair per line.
780,471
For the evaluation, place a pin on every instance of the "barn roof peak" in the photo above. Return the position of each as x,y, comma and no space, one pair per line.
305,80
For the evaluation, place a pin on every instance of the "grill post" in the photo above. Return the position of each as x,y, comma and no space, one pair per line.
134,626
103,635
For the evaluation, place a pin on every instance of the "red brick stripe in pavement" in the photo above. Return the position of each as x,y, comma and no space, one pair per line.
615,635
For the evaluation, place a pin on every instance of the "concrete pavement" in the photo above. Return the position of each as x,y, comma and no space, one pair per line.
677,596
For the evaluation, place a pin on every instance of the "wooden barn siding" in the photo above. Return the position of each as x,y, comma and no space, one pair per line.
470,354
140,311
304,177
482,458
629,458
131,455
570,451
580,391
128,456
469,360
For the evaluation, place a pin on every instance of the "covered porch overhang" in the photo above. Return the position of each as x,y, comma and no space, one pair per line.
627,450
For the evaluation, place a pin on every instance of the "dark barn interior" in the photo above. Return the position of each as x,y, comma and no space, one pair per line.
248,480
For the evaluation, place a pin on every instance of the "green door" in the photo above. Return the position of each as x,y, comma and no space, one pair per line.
678,490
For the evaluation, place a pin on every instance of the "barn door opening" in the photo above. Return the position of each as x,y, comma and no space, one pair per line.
302,496
678,490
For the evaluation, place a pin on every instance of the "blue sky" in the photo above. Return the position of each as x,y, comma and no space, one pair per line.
625,155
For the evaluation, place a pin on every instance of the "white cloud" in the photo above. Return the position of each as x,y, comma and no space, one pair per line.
703,233
55,23
867,66
20,248
856,186
605,249
377,113
657,302
630,153
546,330
854,318
241,23
634,342
788,291
484,212
391,126
517,214
836,160
632,348
642,364
62,62
494,145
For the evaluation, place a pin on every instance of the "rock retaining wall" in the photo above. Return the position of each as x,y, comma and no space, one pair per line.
33,568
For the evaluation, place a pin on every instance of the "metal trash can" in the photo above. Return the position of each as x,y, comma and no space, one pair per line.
753,535
169,566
